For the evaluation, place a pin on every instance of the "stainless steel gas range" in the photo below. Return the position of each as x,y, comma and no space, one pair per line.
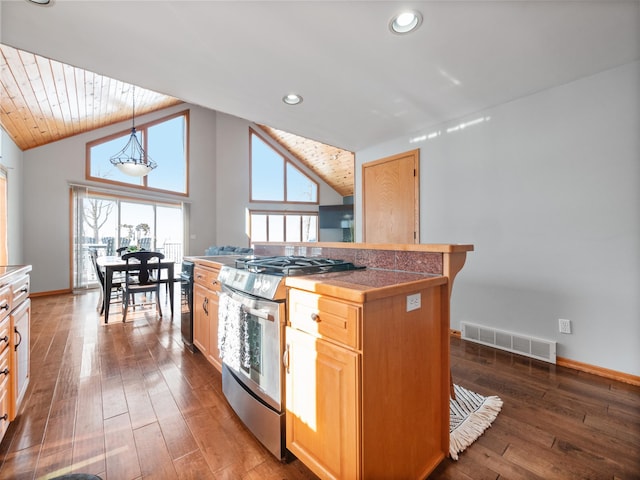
251,326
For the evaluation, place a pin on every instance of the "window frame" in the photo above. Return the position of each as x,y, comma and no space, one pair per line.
142,130
76,228
286,162
284,214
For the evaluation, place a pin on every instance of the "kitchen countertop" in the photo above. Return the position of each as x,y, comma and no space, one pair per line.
353,285
7,272
215,261
364,285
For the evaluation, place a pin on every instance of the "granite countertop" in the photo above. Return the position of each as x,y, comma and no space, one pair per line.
364,285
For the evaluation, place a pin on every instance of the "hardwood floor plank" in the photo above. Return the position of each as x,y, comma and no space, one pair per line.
88,440
21,464
114,401
54,464
129,402
193,467
177,435
549,464
122,457
155,461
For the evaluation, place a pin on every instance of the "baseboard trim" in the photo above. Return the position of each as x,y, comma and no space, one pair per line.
582,367
600,371
51,292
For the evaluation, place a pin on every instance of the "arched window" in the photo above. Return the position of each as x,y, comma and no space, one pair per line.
165,141
274,178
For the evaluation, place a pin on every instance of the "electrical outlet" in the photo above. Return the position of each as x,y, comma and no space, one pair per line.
413,302
565,325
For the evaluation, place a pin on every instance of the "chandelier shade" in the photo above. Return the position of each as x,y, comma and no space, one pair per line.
132,160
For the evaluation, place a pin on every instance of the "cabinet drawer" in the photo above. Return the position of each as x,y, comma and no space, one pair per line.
325,317
5,334
6,297
20,290
207,277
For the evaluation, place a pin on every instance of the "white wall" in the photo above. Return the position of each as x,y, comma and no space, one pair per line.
49,169
218,191
232,184
547,188
12,162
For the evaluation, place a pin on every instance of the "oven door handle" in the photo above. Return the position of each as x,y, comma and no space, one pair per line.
258,313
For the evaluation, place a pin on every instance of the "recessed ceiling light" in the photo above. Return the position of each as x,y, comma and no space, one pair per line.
405,22
292,99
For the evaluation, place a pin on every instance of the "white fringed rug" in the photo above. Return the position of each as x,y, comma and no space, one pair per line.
470,415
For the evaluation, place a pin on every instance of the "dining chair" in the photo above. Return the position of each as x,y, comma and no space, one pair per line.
146,280
116,284
145,243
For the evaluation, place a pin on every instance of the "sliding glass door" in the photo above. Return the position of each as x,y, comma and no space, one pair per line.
106,222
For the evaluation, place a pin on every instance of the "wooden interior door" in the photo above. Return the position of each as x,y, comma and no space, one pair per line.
390,199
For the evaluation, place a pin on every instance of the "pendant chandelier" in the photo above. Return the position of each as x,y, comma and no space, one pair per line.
132,159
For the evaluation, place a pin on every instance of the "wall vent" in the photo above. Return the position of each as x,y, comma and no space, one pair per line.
510,341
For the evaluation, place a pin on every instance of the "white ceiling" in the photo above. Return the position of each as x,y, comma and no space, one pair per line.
361,84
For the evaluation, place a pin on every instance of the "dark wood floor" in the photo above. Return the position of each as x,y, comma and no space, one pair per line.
127,401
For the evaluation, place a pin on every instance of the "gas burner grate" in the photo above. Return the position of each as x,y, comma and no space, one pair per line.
294,265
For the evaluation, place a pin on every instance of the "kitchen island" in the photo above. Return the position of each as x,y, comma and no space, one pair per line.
366,359
367,383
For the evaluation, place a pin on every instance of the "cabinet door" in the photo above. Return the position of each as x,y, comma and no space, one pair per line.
20,355
322,405
201,319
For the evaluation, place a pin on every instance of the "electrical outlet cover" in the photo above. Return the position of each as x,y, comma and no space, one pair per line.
413,302
564,325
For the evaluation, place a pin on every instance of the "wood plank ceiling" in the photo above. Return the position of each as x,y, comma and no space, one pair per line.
333,165
42,101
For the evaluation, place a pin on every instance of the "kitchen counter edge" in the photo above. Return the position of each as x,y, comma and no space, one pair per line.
8,272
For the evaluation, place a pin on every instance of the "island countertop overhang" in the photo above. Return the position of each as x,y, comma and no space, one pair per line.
365,285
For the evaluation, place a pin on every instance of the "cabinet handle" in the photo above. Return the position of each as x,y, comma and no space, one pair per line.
5,339
5,307
285,358
205,305
15,329
4,417
24,290
4,372
315,317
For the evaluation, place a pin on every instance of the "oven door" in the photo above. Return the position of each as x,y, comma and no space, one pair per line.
260,368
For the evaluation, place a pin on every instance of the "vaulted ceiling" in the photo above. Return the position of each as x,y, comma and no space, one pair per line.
42,101
362,85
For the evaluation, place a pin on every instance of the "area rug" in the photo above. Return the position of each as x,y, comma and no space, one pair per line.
470,415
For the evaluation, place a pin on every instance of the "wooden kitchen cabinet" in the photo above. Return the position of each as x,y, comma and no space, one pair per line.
367,382
15,312
322,388
5,379
205,313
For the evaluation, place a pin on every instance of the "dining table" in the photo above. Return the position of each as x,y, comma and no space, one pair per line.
110,264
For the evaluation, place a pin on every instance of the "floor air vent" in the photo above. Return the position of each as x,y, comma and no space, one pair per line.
511,342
